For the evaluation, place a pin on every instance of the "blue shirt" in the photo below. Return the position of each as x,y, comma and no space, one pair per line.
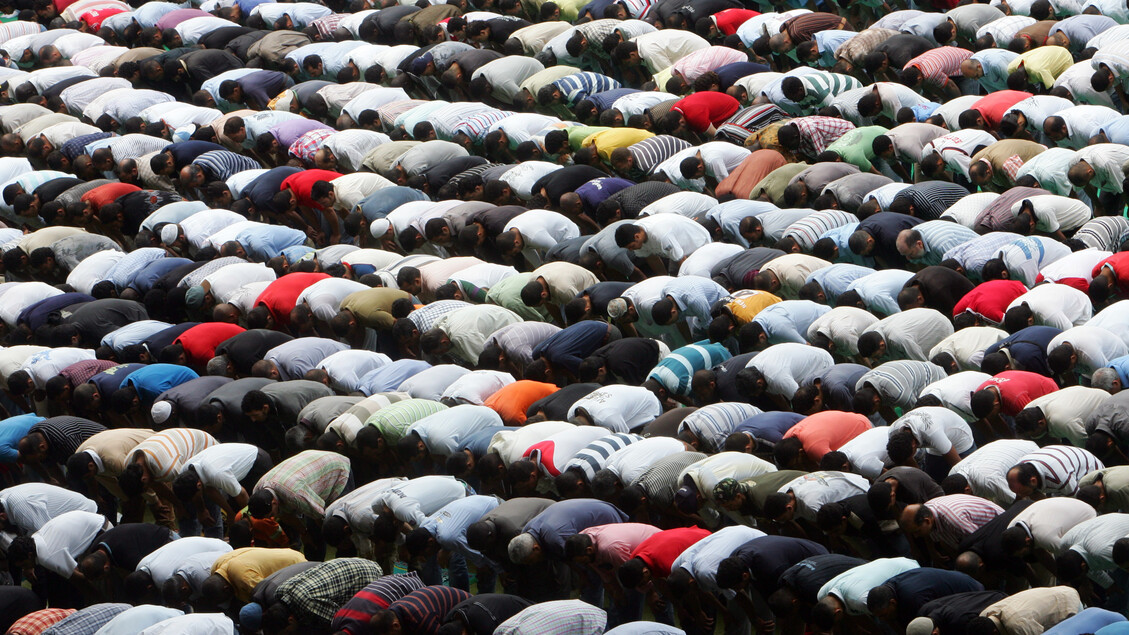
150,273
381,202
769,426
836,279
569,346
676,370
604,100
155,379
450,523
597,191
788,321
916,587
261,191
1121,365
479,442
568,518
838,384
263,242
390,376
35,315
12,430
840,236
1028,347
1091,620
111,379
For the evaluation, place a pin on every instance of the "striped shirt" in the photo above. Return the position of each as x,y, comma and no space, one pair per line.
223,164
1061,466
748,120
64,435
422,611
821,88
676,370
393,421
986,468
1104,232
307,482
316,593
595,455
933,198
974,254
901,381
648,153
126,269
478,125
938,237
559,617
1004,29
579,86
660,481
1094,540
29,506
353,617
957,516
713,423
166,452
87,620
705,60
812,227
939,64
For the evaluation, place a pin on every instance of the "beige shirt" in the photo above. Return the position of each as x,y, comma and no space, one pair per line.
1033,611
565,280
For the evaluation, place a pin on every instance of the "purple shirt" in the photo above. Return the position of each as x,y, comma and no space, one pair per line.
289,131
597,191
173,18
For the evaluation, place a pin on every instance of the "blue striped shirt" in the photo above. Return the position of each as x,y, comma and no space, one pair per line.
938,237
713,423
595,455
836,279
223,164
676,370
579,86
900,382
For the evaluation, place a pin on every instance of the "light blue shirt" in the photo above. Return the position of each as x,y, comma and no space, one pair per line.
263,242
450,523
134,333
702,558
840,236
880,290
788,321
994,64
853,585
137,619
1091,620
729,215
173,213
694,296
390,377
827,42
837,278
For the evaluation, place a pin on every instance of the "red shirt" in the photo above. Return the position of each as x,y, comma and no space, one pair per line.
990,299
826,431
994,106
661,550
706,108
108,193
200,341
1017,389
97,16
1119,264
727,21
302,183
282,294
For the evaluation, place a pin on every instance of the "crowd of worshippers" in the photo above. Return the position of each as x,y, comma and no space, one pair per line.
540,317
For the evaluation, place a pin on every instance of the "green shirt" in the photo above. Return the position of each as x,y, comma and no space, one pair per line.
507,294
393,421
857,146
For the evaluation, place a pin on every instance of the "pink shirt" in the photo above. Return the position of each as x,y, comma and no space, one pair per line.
615,542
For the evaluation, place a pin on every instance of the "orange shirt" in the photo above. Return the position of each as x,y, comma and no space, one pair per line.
512,401
826,431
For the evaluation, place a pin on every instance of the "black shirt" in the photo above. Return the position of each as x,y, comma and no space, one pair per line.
229,397
986,541
189,396
163,338
601,293
64,434
884,228
172,279
16,602
470,61
744,265
263,188
220,38
128,543
494,219
483,613
634,198
808,576
185,152
265,592
666,424
725,378
53,188
139,204
240,45
914,485
567,251
248,347
629,359
915,588
951,614
440,173
557,404
769,559
902,48
837,385
559,182
509,518
385,21
941,287
205,64
95,319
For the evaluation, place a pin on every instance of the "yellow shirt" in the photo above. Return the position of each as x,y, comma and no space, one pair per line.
606,141
746,306
1043,64
245,568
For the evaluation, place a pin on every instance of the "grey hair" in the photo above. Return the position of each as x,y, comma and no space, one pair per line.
1104,379
217,366
521,548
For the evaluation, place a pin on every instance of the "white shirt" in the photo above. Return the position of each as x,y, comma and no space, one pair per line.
1094,346
431,382
986,468
967,345
630,462
936,429
193,624
955,391
511,445
44,365
712,470
559,448
347,367
199,226
843,325
64,538
867,451
1049,519
813,490
788,366
225,281
618,408
476,386
222,466
30,506
412,502
1056,305
134,620
702,558
690,204
324,296
22,296
1067,410
163,562
913,333
1079,264
1115,319
671,236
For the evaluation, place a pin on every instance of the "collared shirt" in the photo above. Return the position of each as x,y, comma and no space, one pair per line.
32,505
559,617
1033,611
957,516
423,610
316,593
60,541
853,586
1060,467
245,568
87,620
307,482
166,452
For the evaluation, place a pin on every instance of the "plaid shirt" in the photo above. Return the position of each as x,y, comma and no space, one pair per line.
426,317
308,144
315,594
816,133
308,481
81,372
39,621
73,148
87,620
327,24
